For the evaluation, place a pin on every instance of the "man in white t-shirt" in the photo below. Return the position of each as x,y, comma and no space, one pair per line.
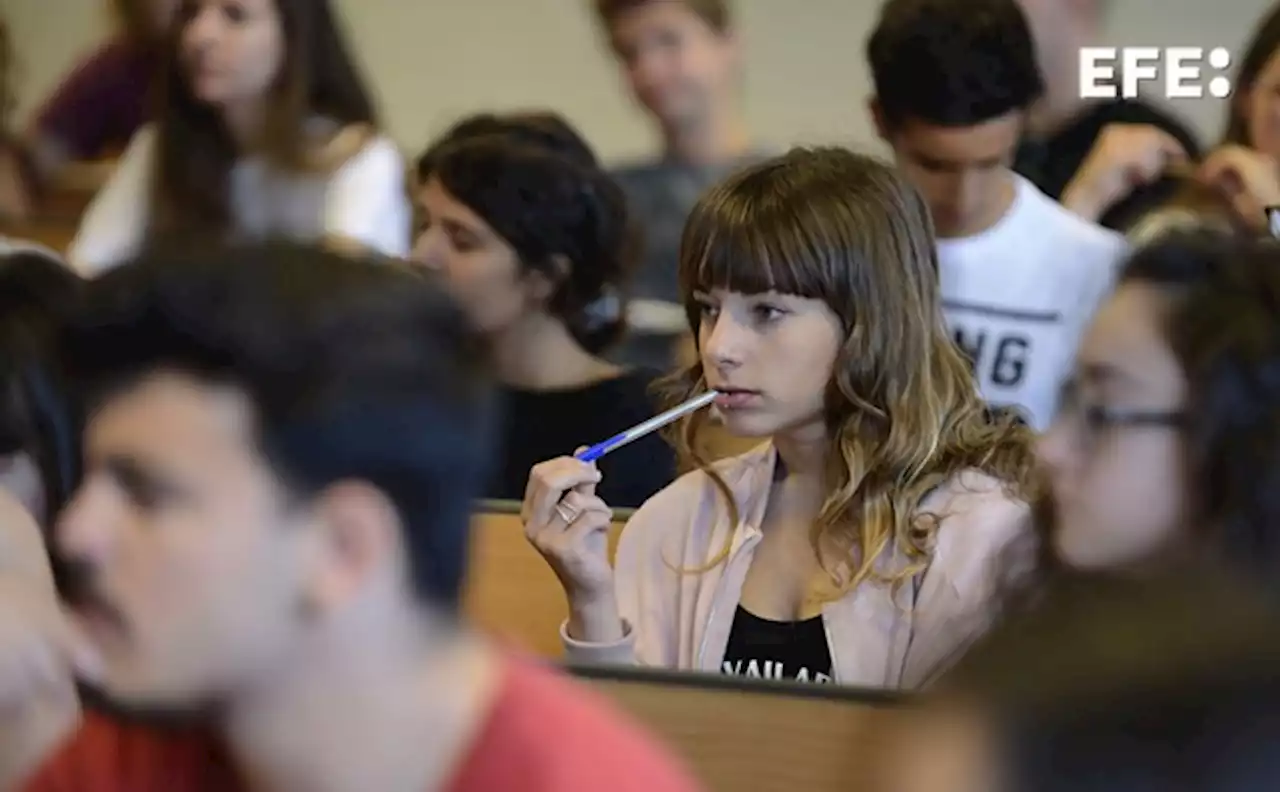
1020,275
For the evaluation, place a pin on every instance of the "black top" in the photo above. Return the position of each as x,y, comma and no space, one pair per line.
1051,163
541,425
765,649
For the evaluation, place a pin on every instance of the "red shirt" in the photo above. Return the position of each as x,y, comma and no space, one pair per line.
542,735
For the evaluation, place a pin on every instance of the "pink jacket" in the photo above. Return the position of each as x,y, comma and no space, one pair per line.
681,619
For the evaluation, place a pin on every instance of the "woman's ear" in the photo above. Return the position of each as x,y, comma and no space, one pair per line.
543,282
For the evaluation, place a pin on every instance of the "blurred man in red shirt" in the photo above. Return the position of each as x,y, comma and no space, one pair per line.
281,457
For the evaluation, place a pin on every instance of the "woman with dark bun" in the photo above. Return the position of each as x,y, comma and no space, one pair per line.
533,234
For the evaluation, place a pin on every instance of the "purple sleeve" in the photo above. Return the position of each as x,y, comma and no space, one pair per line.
101,104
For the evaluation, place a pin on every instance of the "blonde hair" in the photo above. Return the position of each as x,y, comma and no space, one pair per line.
903,409
1193,206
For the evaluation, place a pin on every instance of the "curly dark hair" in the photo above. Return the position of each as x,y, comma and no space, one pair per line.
953,64
534,180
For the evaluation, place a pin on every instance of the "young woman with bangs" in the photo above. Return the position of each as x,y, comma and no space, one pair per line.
858,543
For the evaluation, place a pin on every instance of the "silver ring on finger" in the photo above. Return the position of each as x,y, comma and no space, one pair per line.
567,513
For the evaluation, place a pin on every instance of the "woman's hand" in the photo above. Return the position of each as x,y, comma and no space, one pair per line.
1124,157
1249,180
569,525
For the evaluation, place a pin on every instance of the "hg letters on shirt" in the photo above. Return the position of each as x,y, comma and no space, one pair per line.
1001,345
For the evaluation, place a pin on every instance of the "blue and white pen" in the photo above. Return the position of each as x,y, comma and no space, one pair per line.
640,430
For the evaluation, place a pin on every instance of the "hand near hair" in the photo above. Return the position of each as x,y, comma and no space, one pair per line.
1249,180
1123,158
569,525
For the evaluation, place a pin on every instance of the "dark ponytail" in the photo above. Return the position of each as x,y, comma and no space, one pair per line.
537,184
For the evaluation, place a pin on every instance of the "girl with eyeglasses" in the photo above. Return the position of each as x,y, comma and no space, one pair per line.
1167,446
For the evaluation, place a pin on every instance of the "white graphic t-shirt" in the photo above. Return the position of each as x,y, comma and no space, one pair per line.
1018,296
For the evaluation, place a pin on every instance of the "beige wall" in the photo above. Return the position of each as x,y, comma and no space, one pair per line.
431,60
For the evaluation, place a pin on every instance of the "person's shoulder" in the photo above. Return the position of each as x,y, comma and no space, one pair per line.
140,152
641,178
374,144
637,168
977,514
978,518
104,755
1064,231
111,54
554,734
9,246
338,148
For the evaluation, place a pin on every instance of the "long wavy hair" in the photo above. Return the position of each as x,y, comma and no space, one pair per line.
902,407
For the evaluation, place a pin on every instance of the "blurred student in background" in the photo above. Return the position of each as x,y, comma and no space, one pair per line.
264,128
1020,275
1106,160
534,237
682,60
853,545
281,461
1167,448
97,109
1165,684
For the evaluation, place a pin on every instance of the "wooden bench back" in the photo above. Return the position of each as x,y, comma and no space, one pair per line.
749,735
511,591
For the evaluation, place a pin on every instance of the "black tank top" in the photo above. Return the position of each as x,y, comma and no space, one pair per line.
764,649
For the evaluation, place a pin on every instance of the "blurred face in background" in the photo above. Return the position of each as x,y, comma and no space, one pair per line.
232,50
483,270
1260,108
676,64
1114,455
962,172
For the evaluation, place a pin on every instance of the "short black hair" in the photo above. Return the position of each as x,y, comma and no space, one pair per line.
38,414
535,128
953,63
358,368
536,182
